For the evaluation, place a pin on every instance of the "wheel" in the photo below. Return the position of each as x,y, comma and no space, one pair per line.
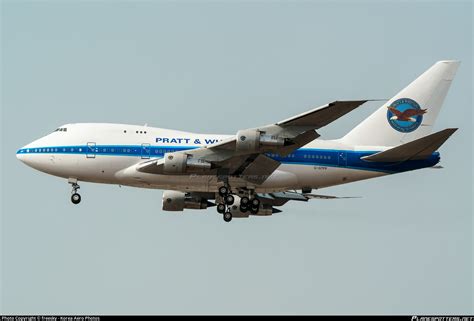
243,209
223,190
221,208
228,216
254,210
76,198
255,203
244,201
229,199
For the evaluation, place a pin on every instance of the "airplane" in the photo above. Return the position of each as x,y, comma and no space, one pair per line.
257,170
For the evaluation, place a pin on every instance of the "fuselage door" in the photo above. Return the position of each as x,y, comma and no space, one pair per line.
91,150
145,151
342,156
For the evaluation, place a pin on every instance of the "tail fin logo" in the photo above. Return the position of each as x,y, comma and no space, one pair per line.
405,115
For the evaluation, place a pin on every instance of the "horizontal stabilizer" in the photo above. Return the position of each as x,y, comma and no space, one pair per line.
421,148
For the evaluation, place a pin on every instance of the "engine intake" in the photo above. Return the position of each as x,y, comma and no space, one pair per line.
178,201
180,163
255,140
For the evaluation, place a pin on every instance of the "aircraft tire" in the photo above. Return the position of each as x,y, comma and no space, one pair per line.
223,190
254,210
255,203
245,201
227,216
229,199
76,198
221,208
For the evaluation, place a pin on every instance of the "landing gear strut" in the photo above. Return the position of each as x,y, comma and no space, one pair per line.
75,197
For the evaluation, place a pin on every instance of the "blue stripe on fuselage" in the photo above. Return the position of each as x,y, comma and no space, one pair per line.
303,156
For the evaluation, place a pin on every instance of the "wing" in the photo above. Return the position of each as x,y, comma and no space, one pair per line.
244,154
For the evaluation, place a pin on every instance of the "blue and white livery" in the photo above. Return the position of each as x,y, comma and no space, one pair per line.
259,169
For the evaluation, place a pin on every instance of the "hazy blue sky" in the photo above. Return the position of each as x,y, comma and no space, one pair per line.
215,67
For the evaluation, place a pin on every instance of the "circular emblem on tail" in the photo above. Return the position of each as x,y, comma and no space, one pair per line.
405,115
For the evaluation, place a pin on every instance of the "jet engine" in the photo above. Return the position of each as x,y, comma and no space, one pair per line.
178,201
180,163
255,140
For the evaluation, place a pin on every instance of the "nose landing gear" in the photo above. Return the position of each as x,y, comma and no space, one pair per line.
75,197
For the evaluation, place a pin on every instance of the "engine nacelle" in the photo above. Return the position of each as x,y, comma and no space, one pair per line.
180,163
255,140
178,201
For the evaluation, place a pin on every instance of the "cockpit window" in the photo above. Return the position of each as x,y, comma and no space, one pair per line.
61,129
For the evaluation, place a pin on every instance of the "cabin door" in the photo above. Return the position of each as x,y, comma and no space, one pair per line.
145,151
342,158
91,150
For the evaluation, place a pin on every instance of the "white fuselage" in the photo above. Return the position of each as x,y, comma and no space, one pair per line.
109,153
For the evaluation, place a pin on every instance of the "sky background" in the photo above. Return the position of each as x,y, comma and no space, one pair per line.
214,67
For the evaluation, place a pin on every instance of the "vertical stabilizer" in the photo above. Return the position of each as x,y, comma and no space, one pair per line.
410,114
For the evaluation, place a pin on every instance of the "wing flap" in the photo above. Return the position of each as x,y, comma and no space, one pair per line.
260,169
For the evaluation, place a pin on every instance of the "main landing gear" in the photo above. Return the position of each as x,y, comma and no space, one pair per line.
250,203
247,204
75,197
227,199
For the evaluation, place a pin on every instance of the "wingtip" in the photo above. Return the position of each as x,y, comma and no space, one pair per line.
453,61
451,130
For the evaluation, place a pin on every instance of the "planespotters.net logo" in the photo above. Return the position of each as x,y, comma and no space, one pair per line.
440,318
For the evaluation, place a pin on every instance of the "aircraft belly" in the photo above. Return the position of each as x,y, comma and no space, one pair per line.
286,177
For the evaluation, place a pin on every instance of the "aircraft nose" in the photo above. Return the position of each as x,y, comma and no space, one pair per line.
22,154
